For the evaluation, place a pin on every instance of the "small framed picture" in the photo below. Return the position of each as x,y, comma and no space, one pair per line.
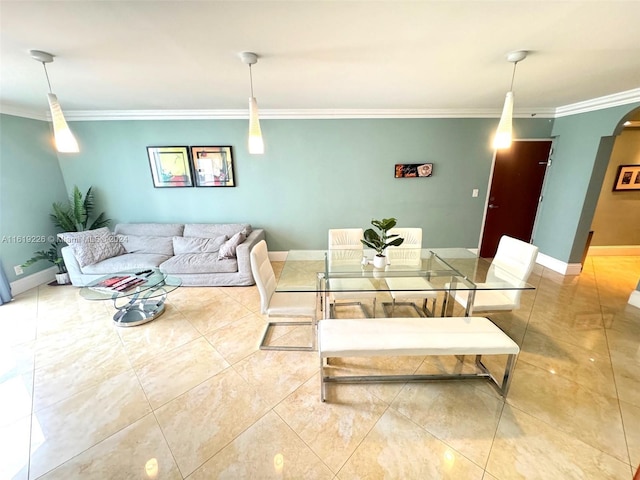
213,166
170,166
406,170
628,178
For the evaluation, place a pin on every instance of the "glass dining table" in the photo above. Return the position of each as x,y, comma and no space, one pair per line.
445,270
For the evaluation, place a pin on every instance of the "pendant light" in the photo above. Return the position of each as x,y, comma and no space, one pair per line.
65,141
256,144
504,132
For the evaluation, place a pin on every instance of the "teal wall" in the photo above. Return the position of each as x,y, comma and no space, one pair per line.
30,181
582,148
315,175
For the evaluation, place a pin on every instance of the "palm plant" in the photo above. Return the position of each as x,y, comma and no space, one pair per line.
52,255
380,241
77,214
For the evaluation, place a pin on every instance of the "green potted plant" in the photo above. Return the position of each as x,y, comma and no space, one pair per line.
77,214
52,255
379,241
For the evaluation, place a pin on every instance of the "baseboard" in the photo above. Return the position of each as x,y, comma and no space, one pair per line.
34,280
634,298
615,250
559,266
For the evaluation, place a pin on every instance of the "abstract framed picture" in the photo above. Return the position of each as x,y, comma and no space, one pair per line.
408,170
170,166
627,178
213,166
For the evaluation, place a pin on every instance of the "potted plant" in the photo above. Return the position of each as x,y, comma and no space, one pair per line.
379,241
77,214
52,255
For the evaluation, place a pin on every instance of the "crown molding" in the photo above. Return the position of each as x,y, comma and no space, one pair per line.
617,99
24,113
614,100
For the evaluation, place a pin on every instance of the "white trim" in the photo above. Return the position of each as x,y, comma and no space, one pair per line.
614,100
20,112
634,298
615,250
34,280
559,266
278,256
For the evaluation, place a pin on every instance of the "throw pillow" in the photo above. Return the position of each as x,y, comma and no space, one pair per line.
228,249
197,244
93,246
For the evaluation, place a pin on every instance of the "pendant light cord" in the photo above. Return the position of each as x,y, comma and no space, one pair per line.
44,65
513,75
251,80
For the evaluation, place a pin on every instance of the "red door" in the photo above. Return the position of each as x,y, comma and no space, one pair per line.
515,193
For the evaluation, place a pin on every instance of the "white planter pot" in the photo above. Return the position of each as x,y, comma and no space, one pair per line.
62,278
379,262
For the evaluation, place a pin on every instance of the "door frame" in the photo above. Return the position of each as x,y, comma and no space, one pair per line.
488,191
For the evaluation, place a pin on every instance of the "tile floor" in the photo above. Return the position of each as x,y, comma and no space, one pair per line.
190,395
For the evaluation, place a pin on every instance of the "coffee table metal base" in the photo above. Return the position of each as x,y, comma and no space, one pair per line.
139,311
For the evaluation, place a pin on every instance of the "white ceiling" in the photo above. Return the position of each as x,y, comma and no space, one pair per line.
437,56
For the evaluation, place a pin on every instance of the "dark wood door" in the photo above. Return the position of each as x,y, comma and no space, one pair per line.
514,196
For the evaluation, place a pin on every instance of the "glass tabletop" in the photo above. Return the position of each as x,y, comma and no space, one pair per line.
443,269
152,284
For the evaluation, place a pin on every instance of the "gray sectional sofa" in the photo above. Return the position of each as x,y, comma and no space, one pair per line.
201,254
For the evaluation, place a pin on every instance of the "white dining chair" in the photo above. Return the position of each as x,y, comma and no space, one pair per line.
409,290
512,264
346,249
280,304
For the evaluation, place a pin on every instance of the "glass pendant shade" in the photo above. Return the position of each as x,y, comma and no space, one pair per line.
65,141
256,145
505,127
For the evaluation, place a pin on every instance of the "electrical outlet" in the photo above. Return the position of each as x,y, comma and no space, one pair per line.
18,270
475,192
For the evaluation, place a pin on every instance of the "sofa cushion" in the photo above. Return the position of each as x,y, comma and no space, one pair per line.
147,244
213,230
93,246
198,263
128,261
228,249
197,244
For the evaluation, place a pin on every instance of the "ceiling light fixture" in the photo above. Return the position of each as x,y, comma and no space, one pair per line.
65,141
504,132
256,144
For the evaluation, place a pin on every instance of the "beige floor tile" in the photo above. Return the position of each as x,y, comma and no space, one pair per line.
16,329
398,448
627,375
137,451
588,368
16,397
166,377
454,412
547,453
631,420
568,406
238,339
223,311
71,426
14,445
275,374
335,428
202,421
147,341
269,449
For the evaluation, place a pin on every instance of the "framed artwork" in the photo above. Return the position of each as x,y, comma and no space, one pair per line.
170,166
628,178
213,166
405,170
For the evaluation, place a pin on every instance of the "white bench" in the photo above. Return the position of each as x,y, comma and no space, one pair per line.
374,337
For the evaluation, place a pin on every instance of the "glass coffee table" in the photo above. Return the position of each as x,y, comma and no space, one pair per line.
141,303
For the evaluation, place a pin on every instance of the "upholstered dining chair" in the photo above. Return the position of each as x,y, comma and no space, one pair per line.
280,304
409,290
512,264
346,248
